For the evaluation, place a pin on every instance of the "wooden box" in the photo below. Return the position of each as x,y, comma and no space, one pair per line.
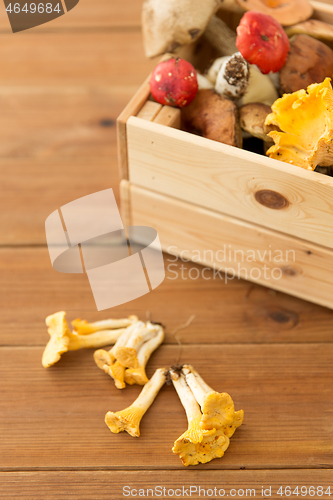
238,212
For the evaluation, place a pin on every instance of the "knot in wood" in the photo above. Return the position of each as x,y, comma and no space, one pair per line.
271,199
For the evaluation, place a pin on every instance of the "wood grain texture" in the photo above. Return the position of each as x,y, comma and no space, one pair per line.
55,417
89,14
236,312
53,485
235,247
42,60
225,179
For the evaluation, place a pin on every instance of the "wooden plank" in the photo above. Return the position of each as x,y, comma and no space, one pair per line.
132,108
149,110
236,312
63,148
169,116
55,418
105,485
235,247
114,58
228,180
88,14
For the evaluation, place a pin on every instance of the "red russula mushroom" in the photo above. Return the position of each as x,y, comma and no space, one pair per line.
174,83
262,41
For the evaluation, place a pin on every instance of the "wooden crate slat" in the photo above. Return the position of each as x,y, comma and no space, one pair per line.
48,417
231,181
254,253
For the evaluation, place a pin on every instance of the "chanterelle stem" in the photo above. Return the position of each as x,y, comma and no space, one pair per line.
130,418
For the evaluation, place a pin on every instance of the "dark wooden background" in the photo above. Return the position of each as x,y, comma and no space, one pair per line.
62,86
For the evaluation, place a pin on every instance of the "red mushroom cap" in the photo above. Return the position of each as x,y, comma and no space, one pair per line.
262,41
174,83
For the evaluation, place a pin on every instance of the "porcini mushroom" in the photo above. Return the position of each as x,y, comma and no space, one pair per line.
309,61
82,327
217,408
252,120
63,340
170,24
129,419
214,117
262,41
196,445
306,121
138,375
286,12
312,27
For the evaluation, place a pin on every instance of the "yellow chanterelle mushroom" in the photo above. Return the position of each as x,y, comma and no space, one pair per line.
306,121
129,419
63,340
196,445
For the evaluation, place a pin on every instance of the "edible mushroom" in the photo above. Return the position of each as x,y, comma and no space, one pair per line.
138,375
217,408
196,445
129,419
306,122
82,327
63,340
309,61
170,24
262,41
252,119
214,117
286,12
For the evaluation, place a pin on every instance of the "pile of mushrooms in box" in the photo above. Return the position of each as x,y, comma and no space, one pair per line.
211,415
271,78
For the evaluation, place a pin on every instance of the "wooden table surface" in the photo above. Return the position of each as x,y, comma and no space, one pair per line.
62,86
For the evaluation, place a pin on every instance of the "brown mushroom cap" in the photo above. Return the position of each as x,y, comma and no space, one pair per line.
312,27
286,12
252,120
214,117
309,61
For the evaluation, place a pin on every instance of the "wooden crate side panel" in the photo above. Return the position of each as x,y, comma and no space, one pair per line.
231,181
132,108
238,248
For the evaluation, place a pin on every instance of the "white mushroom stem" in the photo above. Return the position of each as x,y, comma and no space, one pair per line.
82,326
217,408
97,339
138,375
221,37
124,338
186,396
149,347
127,355
139,336
104,358
233,77
195,386
198,378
